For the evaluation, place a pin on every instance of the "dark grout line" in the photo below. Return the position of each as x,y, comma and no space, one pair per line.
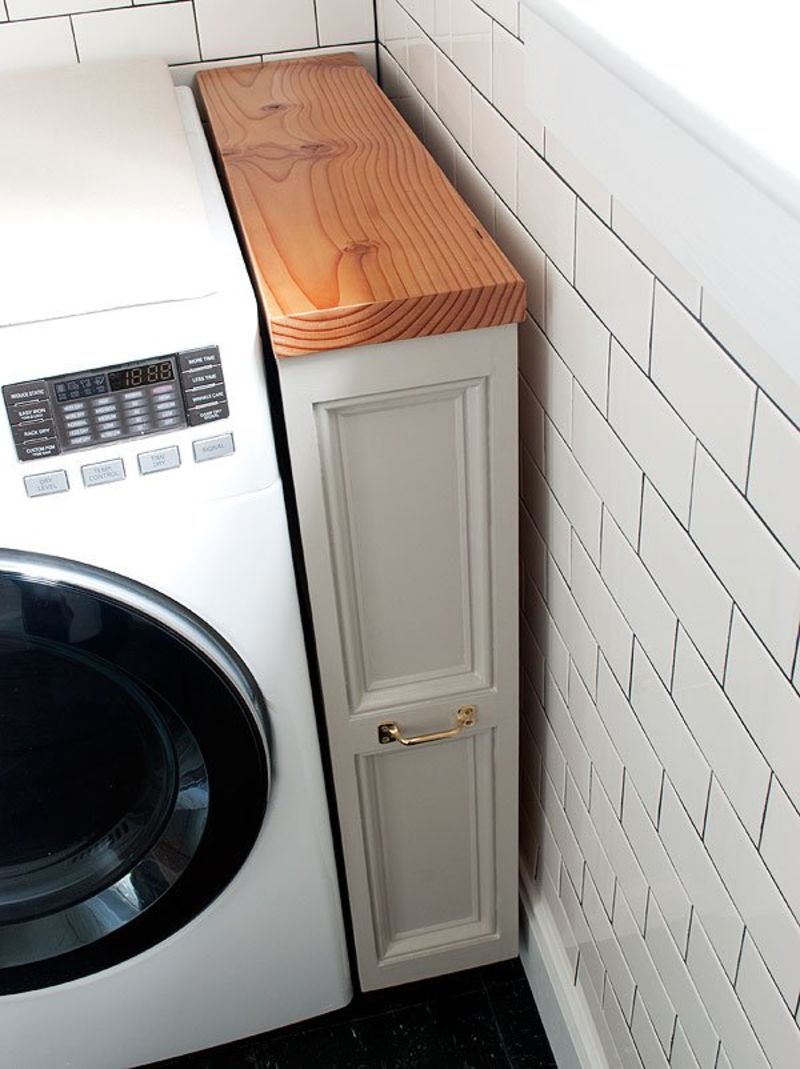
752,444
197,31
495,1021
656,283
74,38
764,813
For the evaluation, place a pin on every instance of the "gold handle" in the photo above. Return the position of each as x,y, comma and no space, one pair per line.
391,732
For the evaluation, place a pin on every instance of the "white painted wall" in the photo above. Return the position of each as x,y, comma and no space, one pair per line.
660,533
185,33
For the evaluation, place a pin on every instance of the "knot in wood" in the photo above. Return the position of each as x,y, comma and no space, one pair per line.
315,148
275,107
360,247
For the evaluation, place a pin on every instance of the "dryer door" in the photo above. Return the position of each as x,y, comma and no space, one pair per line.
134,771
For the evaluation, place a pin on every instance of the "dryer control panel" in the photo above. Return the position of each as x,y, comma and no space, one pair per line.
110,404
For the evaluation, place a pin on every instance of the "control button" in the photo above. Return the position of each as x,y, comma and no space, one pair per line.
211,448
195,358
197,416
132,395
30,432
24,392
76,425
76,406
105,435
165,387
50,482
204,376
106,471
159,460
166,406
108,417
38,450
82,439
29,411
206,396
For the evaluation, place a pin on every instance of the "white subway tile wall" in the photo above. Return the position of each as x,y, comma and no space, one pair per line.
661,586
187,34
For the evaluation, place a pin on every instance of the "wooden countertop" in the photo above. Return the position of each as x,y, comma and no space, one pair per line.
354,234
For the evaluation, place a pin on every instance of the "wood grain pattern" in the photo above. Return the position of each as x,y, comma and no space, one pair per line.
354,234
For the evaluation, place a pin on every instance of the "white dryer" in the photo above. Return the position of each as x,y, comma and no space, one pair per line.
167,875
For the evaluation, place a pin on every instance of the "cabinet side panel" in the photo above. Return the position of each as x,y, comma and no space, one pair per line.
406,494
428,815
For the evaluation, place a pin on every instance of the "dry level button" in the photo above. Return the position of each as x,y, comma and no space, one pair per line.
211,448
159,460
49,482
106,471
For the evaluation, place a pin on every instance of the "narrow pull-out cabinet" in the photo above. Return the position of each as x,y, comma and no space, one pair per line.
398,379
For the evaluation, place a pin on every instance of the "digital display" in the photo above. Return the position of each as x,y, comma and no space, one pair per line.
84,386
129,378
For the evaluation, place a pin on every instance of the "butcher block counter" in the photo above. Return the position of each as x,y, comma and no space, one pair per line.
392,314
354,233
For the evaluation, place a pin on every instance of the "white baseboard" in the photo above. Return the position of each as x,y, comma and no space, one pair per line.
570,1030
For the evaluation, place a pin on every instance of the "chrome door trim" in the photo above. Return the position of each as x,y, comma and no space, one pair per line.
151,604
155,872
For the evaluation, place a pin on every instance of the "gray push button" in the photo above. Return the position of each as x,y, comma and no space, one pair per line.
211,448
197,416
31,432
28,412
159,460
38,450
49,482
204,376
25,391
206,396
106,471
195,358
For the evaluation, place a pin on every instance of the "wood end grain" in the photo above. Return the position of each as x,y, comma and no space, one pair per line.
354,234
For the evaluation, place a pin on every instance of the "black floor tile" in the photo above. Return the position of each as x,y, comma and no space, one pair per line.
479,1019
502,972
521,1029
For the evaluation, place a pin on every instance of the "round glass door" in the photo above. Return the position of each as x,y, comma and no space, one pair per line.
133,770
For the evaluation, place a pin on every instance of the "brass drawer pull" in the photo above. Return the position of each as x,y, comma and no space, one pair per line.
391,732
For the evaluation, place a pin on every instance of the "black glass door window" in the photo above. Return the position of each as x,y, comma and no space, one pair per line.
133,774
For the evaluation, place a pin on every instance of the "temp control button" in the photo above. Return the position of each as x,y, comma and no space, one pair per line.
159,460
49,482
106,471
211,448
